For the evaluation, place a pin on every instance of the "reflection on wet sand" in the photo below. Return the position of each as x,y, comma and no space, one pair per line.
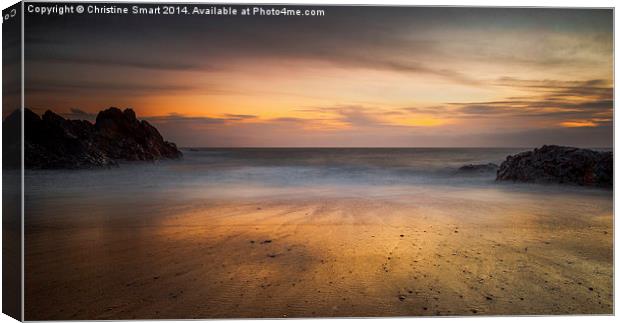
404,252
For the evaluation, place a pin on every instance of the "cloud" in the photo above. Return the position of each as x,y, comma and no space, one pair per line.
357,116
188,120
421,41
299,132
559,100
240,116
405,55
79,114
382,43
535,108
142,63
578,123
144,88
398,65
289,120
597,88
350,115
183,120
436,110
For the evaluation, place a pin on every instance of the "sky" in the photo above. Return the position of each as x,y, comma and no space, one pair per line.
356,77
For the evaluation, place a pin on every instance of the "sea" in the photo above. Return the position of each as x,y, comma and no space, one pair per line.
275,173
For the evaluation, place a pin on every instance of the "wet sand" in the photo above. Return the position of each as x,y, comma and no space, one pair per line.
464,252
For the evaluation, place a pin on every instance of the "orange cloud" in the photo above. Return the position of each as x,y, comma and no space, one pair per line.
578,123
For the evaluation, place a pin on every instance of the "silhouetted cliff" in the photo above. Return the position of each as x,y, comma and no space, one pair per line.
52,141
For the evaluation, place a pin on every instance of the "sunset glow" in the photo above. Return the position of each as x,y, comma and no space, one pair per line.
383,77
574,124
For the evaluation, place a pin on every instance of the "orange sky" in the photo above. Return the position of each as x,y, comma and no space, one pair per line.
357,77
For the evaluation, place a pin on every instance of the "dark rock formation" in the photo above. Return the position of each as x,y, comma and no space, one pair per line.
122,136
557,164
52,141
478,168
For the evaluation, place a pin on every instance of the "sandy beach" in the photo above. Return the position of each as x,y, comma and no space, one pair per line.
386,252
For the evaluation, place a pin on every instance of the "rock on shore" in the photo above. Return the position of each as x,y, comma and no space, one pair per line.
52,141
558,164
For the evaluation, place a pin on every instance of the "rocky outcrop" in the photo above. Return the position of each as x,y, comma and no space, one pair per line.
122,136
478,168
52,141
558,164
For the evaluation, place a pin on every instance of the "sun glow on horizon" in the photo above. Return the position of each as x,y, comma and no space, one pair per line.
474,81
